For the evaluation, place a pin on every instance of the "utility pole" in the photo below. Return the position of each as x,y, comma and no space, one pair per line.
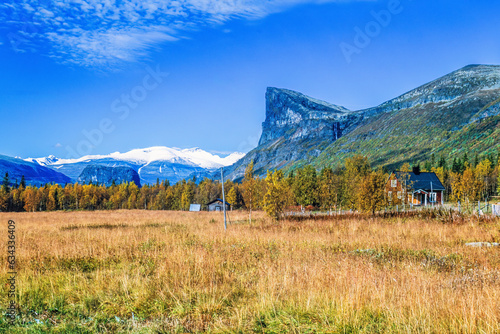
432,195
223,197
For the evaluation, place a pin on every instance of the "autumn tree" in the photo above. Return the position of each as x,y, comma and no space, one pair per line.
133,194
355,169
305,186
30,199
4,200
275,199
53,198
15,200
249,189
328,189
371,191
206,192
465,186
232,197
187,194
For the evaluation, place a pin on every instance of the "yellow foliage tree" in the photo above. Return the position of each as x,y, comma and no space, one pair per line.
355,169
30,199
249,189
231,196
328,189
370,194
277,195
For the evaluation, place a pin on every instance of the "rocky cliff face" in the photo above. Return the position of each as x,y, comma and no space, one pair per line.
97,174
296,116
430,119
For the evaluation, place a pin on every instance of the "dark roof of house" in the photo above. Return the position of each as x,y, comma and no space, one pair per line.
218,200
424,180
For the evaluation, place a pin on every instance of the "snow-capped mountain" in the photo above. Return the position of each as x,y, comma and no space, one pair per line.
152,163
195,156
33,173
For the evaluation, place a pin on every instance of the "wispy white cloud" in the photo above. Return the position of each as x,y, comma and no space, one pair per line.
107,33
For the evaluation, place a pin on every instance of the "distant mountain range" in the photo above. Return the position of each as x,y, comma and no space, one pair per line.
34,173
151,164
454,114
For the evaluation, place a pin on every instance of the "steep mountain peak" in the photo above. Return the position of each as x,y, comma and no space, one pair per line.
307,101
287,109
46,161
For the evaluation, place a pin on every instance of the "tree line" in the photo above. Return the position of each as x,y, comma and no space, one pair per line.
354,186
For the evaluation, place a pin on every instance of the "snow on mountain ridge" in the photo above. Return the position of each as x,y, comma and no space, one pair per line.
194,156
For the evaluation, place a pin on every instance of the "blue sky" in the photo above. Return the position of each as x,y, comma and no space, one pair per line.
93,77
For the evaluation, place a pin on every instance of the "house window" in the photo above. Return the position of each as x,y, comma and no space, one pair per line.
394,183
432,197
399,194
389,195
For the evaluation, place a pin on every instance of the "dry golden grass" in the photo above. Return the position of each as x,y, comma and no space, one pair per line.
180,272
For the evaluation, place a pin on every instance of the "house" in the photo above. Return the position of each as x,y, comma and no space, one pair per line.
419,188
216,205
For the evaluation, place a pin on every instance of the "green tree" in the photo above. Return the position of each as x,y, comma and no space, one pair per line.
483,172
328,189
456,166
442,163
305,186
23,182
6,183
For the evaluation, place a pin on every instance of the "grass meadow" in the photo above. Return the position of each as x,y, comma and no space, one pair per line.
179,272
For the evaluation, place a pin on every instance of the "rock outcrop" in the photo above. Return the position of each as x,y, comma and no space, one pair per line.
296,116
98,175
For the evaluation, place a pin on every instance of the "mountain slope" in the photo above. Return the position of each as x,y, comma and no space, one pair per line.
438,118
34,174
441,117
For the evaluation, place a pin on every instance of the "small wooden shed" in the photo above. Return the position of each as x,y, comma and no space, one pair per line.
217,205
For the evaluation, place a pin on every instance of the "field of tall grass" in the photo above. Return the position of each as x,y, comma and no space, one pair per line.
180,272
